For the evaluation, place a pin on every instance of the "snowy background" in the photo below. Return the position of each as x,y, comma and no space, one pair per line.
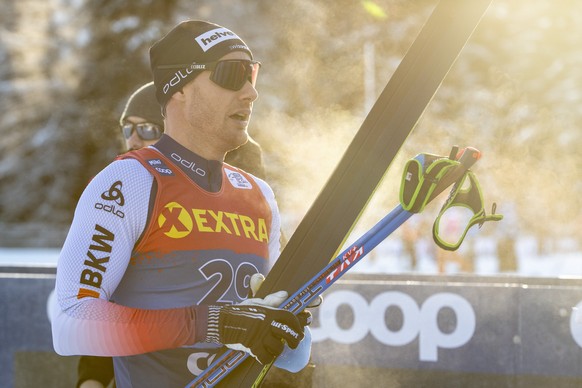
515,93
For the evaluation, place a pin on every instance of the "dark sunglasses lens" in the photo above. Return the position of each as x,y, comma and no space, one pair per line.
232,75
145,131
127,129
148,131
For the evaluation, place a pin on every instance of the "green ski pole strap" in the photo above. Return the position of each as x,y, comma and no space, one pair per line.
423,173
421,176
465,193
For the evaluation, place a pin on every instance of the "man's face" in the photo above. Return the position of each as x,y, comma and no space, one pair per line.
220,116
135,142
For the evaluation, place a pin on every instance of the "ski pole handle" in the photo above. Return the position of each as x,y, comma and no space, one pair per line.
467,157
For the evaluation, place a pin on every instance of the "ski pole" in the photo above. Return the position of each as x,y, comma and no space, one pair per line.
336,268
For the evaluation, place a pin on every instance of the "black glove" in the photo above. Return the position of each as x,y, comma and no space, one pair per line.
257,330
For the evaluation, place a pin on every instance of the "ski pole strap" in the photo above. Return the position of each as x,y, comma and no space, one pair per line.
467,194
423,173
421,176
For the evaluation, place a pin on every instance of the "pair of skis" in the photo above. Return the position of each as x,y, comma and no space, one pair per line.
450,171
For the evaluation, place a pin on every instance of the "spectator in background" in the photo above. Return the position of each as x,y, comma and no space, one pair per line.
507,234
141,122
409,237
141,125
452,226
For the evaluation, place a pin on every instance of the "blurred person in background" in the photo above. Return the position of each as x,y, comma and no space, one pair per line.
141,125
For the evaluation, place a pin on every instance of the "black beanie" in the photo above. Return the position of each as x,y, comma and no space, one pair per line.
143,103
192,41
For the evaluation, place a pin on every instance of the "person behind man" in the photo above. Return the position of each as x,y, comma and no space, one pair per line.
174,235
141,121
141,125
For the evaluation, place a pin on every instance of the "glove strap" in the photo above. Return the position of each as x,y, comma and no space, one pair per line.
421,176
465,193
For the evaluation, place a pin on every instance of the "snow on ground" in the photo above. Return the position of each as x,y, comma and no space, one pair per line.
43,257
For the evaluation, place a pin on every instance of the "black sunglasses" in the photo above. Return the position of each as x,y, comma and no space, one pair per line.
145,131
230,74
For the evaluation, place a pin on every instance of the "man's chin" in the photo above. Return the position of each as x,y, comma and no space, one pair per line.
242,140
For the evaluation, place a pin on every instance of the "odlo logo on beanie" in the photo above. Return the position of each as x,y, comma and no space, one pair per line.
213,37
